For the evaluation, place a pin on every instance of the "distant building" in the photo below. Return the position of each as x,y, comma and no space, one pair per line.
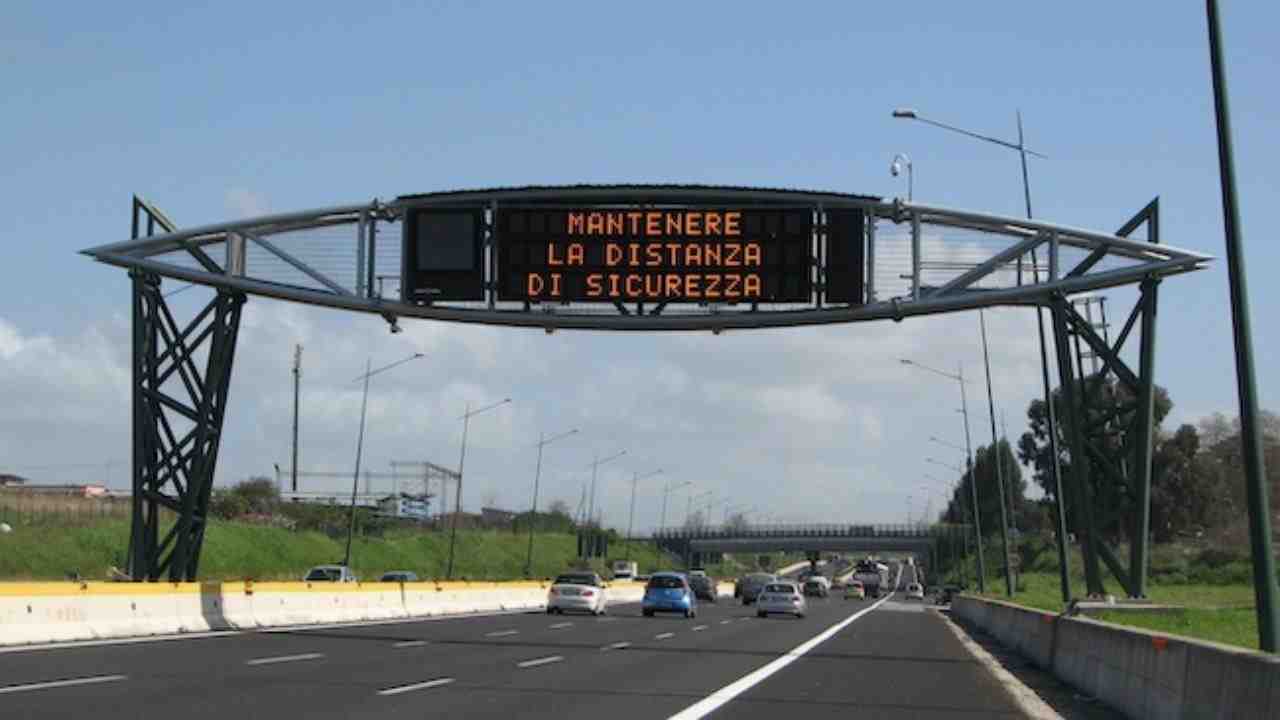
405,506
334,499
85,491
495,518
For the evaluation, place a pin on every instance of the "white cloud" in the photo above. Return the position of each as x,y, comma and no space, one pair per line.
820,423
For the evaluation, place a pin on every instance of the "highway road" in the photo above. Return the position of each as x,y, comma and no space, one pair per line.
882,659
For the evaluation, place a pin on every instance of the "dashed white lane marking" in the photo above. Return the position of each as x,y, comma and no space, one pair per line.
62,683
726,622
699,628
617,646
284,659
410,643
663,636
557,626
719,698
540,661
416,686
502,633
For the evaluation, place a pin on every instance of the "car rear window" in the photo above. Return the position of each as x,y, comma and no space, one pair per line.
575,580
666,583
788,589
327,574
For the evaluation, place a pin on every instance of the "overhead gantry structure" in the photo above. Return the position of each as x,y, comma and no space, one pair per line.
829,258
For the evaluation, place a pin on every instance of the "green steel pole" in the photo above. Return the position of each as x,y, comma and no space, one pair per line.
1264,571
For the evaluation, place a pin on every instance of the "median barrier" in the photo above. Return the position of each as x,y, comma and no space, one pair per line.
1141,673
55,612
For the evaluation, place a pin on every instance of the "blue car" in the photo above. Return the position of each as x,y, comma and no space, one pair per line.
668,592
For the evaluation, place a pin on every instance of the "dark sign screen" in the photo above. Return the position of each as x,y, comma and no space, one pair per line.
686,254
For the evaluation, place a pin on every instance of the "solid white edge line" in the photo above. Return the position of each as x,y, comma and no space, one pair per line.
502,633
726,622
697,628
255,631
617,646
62,683
410,643
540,661
558,626
416,686
283,659
715,700
664,636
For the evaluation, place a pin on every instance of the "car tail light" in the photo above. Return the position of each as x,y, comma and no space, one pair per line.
587,593
795,600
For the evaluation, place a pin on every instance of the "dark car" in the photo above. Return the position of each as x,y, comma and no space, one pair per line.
752,585
703,587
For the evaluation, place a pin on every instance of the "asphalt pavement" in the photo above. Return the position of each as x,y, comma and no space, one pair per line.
882,660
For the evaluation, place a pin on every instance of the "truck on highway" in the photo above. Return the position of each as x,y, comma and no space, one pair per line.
874,577
625,570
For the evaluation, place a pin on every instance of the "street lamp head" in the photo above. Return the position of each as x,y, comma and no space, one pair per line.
905,361
907,113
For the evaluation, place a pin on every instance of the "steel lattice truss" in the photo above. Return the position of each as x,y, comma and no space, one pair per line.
920,260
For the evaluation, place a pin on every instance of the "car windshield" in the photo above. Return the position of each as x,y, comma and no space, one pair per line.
666,582
324,574
575,580
780,588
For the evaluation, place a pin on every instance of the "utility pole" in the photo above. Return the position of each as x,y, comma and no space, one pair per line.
297,378
999,461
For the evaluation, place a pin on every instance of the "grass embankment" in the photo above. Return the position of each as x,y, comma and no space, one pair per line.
235,551
1218,601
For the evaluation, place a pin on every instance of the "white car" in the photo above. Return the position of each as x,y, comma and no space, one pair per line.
915,592
781,598
583,592
330,573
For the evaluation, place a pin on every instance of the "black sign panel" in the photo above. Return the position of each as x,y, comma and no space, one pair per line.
442,255
685,254
845,256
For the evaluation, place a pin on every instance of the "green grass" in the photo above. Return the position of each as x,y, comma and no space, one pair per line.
235,551
1237,626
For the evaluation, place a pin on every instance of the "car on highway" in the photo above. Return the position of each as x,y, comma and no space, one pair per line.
579,592
398,576
915,591
817,586
668,592
752,585
781,597
697,572
704,588
853,590
330,573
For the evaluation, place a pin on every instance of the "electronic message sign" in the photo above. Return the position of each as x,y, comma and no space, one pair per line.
645,254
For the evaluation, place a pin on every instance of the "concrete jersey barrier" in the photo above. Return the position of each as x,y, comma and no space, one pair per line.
1142,674
56,612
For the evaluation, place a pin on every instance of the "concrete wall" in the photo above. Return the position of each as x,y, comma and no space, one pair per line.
55,612
1143,674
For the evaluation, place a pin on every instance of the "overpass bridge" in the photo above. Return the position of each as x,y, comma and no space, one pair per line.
920,540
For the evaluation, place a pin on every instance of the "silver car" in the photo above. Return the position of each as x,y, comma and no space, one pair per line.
780,597
584,592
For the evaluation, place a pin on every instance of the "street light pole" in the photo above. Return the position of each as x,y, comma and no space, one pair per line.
595,466
973,485
355,478
297,381
635,480
1050,412
999,463
462,459
666,493
543,440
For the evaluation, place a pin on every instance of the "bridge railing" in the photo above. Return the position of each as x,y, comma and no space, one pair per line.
814,530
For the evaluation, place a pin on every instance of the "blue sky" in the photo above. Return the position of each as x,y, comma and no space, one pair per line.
225,110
